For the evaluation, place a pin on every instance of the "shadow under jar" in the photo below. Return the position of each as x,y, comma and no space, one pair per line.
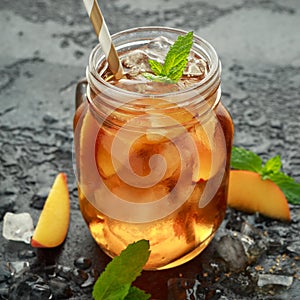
152,158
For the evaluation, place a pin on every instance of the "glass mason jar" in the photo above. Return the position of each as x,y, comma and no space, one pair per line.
153,165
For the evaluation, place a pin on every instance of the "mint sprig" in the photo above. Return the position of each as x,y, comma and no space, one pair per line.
175,61
115,281
242,159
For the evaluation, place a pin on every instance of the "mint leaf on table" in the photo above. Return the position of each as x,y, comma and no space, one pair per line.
288,185
273,165
115,281
175,61
136,294
242,159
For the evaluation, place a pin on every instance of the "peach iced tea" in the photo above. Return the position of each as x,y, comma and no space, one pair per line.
152,158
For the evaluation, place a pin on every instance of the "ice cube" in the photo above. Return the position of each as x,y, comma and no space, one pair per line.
158,48
268,279
137,83
19,267
196,68
136,62
18,227
231,250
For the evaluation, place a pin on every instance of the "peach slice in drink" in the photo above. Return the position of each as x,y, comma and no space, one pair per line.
211,151
108,163
145,158
203,166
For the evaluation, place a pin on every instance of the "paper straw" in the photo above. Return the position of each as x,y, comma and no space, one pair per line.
104,37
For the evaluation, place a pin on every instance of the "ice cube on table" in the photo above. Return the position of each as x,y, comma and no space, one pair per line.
231,250
19,267
269,279
18,227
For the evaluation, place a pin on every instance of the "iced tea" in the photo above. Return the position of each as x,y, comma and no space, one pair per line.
153,158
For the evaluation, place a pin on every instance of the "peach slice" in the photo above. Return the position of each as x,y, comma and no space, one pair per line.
203,169
52,227
103,152
249,193
211,147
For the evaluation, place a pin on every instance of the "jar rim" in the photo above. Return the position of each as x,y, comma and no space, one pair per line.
212,77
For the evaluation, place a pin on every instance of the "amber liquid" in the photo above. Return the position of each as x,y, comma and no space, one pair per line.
185,232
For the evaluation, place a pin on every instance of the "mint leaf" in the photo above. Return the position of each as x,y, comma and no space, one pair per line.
242,159
289,187
273,165
175,61
115,281
111,292
177,57
156,66
137,294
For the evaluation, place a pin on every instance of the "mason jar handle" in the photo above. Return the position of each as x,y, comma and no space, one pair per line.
80,94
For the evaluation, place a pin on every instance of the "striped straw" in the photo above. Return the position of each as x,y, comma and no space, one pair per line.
104,37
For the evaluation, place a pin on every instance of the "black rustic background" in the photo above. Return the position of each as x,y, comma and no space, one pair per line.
44,48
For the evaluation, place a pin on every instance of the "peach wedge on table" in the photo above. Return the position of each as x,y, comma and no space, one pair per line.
52,227
250,193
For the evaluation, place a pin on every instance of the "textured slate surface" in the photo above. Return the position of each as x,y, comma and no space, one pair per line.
44,47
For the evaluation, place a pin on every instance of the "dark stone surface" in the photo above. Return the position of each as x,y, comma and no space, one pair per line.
44,47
